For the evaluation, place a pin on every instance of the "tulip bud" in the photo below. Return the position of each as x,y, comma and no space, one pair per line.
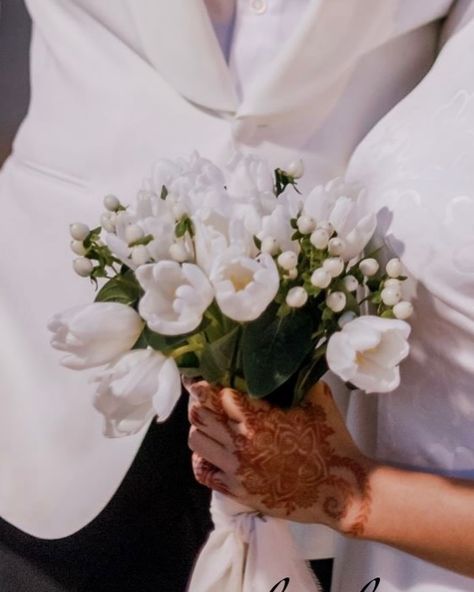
178,252
306,224
391,296
140,255
320,278
320,238
287,260
336,301
269,245
334,266
295,169
350,283
107,221
111,203
297,297
403,310
369,267
78,247
133,233
79,231
83,266
392,282
346,317
336,246
394,268
325,225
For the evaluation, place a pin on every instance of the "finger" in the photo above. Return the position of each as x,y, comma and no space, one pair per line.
208,474
241,409
222,430
206,394
211,450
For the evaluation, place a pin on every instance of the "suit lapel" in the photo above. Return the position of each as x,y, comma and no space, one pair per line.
179,41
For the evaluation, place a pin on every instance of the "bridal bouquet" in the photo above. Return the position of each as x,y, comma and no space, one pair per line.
233,276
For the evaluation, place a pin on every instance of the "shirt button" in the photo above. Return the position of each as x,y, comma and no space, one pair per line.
258,6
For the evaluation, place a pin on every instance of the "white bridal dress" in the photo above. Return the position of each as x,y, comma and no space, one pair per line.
116,85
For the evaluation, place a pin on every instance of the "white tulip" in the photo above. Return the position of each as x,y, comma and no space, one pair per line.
391,295
78,247
297,297
176,296
394,268
95,334
320,278
306,224
140,255
111,203
244,286
107,221
369,267
143,383
295,169
336,301
350,283
403,310
334,266
288,260
367,352
336,246
83,266
133,233
79,231
319,238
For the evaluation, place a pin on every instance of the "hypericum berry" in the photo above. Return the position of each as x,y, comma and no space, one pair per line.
334,266
403,310
350,283
336,301
306,224
82,266
178,252
133,233
391,295
320,278
111,203
287,260
269,245
295,169
140,255
78,247
336,246
326,225
392,283
369,267
107,221
297,297
319,238
346,317
394,268
79,231
292,274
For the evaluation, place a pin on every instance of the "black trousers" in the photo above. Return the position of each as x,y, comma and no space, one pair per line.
145,540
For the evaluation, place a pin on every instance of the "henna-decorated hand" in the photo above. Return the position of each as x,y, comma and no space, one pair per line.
300,464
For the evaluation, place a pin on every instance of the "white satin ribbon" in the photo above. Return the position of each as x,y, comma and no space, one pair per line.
247,552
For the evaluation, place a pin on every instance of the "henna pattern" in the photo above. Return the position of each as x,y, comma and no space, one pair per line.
288,462
206,474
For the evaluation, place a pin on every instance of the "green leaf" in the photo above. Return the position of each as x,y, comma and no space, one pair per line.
218,357
122,288
387,314
164,343
274,348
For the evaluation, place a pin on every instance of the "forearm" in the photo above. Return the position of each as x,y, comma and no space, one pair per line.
425,515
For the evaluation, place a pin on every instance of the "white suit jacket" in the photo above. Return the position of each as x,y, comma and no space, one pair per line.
116,85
